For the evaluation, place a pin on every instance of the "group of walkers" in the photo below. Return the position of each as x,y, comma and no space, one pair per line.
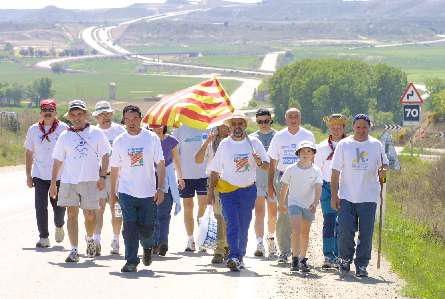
141,172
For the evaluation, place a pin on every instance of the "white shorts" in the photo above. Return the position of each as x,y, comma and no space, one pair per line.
84,195
105,193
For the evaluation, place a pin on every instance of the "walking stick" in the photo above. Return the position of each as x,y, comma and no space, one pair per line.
382,197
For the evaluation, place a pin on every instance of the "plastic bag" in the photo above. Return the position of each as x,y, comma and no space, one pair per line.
208,229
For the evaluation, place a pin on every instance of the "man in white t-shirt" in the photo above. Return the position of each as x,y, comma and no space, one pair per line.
83,151
233,173
133,177
194,175
359,163
282,154
39,143
104,117
336,124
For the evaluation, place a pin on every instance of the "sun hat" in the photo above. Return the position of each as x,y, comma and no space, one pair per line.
101,107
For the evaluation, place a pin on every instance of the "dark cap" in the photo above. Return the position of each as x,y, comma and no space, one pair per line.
362,117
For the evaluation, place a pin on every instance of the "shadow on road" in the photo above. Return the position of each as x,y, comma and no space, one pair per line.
192,254
137,275
110,257
307,275
49,249
165,258
83,265
365,280
206,271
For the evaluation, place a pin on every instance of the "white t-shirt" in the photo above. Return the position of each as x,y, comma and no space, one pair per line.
323,152
42,149
283,145
358,163
230,158
301,184
136,156
81,154
111,133
190,141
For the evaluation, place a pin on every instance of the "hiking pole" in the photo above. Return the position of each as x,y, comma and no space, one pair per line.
382,197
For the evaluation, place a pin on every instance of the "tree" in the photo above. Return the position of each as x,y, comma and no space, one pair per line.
438,103
40,89
9,48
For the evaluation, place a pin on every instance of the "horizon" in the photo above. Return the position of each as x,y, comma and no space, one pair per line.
98,4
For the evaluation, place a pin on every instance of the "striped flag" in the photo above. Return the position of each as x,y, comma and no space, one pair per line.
198,107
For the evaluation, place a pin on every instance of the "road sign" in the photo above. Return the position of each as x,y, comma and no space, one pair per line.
392,127
411,95
411,115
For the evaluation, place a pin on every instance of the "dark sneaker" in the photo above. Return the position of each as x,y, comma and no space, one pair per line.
190,246
260,250
129,268
91,248
146,259
234,264
344,266
155,250
98,248
329,263
360,271
295,265
304,266
163,249
282,259
217,258
73,257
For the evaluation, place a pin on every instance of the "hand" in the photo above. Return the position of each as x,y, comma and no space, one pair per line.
181,184
29,181
257,158
335,202
178,208
211,137
210,198
382,175
313,207
271,191
53,190
159,197
282,208
100,184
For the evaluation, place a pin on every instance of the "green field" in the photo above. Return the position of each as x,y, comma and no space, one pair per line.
233,61
419,62
91,80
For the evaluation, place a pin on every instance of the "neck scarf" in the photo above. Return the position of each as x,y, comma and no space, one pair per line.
331,145
72,129
51,130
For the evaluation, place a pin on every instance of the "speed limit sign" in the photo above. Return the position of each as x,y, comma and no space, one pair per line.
411,114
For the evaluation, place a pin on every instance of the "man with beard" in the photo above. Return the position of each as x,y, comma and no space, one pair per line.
39,143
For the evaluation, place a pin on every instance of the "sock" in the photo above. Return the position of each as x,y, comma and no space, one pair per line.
191,238
271,236
74,248
116,237
96,237
259,240
89,238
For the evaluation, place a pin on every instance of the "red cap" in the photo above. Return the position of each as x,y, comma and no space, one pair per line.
154,126
48,103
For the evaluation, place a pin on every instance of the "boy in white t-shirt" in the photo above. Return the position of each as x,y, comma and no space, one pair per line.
303,181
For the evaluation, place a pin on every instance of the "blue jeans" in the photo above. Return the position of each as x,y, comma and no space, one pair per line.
162,224
237,209
351,217
330,224
139,219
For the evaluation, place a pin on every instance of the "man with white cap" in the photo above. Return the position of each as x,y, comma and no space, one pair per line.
84,151
39,143
104,116
233,172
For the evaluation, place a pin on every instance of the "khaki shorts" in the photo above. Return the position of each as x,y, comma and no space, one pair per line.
84,195
106,192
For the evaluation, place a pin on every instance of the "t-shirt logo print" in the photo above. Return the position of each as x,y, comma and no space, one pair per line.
241,162
136,155
81,149
361,159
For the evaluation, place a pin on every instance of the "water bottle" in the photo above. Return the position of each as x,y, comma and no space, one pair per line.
117,210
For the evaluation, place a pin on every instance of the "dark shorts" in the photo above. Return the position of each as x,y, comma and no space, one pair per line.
194,185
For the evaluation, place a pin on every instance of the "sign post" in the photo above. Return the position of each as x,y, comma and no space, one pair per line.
411,101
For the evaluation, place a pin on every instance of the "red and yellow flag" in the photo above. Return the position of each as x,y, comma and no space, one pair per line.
198,107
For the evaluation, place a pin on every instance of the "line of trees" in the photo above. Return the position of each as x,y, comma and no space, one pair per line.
13,94
323,86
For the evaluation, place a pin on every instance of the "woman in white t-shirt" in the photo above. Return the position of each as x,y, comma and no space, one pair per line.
300,193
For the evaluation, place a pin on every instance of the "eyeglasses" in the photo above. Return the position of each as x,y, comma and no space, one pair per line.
265,122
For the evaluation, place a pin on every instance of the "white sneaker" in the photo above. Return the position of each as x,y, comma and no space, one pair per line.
115,247
190,245
271,247
59,234
260,250
42,243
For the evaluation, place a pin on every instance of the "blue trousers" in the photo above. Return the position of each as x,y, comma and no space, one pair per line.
353,216
330,224
237,209
139,220
162,224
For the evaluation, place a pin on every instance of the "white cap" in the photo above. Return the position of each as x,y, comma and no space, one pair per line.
102,106
306,143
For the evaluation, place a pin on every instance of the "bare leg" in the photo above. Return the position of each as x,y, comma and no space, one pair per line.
271,217
202,205
296,231
259,216
72,225
116,222
304,236
90,221
100,216
188,216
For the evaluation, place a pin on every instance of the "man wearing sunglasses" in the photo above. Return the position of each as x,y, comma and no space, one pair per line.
265,134
39,144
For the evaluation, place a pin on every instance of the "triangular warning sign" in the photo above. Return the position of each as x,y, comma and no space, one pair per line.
411,95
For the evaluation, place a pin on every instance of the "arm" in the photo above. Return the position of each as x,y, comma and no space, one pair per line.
271,176
55,173
283,197
313,206
160,172
114,177
200,155
335,201
28,162
103,171
177,161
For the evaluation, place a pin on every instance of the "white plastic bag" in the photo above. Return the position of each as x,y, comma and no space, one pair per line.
208,229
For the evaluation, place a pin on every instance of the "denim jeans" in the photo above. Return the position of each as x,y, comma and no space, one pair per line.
237,209
41,189
139,220
162,224
351,217
330,224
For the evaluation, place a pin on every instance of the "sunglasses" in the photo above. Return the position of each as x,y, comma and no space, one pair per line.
265,122
47,110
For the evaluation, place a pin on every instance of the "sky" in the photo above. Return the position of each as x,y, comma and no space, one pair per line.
79,4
